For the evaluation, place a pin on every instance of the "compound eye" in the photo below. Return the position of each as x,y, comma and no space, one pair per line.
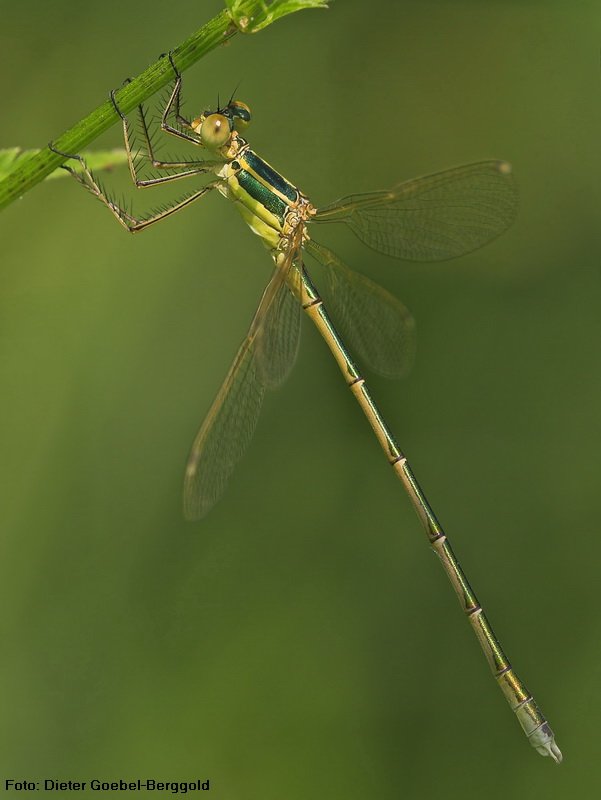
241,114
215,131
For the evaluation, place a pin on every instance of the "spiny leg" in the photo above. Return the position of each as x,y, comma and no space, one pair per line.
174,103
191,168
129,222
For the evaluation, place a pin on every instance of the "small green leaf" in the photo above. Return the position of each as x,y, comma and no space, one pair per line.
13,157
10,157
267,12
97,160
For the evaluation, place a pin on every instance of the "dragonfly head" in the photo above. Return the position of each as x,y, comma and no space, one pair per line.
217,128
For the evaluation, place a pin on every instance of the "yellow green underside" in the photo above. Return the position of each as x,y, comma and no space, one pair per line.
260,204
256,216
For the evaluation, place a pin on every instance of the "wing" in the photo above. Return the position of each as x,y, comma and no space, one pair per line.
433,218
378,327
276,346
263,360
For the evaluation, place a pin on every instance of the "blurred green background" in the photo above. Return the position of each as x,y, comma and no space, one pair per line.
303,641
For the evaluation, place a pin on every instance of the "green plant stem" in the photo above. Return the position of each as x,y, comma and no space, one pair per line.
217,32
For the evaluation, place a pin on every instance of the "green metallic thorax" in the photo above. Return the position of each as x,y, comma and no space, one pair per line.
264,198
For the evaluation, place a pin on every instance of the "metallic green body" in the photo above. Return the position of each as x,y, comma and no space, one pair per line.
260,194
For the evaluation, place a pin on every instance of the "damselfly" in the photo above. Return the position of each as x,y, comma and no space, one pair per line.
433,218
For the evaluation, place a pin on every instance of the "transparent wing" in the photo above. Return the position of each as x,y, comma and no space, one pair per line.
433,218
264,360
277,343
378,327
